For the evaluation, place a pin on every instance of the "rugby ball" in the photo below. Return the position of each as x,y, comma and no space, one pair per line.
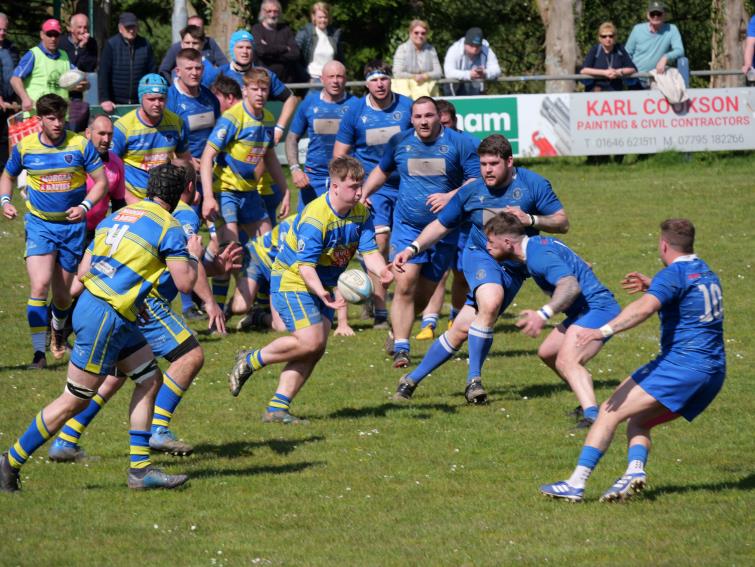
70,79
355,286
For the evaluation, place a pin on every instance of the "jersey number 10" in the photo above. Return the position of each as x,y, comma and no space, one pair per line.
713,304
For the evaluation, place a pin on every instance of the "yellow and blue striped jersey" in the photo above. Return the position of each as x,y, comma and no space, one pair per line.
56,175
129,253
241,140
142,147
265,184
325,240
189,221
267,245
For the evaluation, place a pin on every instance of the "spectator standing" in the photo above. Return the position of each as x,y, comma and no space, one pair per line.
415,64
211,52
319,42
82,52
749,52
274,42
607,62
8,61
654,44
471,60
125,59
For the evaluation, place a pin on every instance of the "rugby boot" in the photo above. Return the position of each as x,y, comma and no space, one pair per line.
10,480
405,389
475,393
283,417
425,334
563,490
149,478
62,451
401,359
625,487
39,361
165,441
240,373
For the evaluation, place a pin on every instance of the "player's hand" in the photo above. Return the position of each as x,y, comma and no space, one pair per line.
215,318
400,259
143,315
9,211
333,303
230,258
76,214
523,217
194,246
277,136
386,275
586,336
210,207
285,206
300,179
530,323
437,201
107,106
635,282
344,331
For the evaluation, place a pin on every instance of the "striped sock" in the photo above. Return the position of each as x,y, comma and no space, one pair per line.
255,359
34,437
430,320
440,351
480,341
167,400
139,449
36,315
59,316
74,427
401,344
220,290
279,402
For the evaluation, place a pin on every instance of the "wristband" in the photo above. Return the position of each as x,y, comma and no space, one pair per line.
414,247
295,167
4,200
208,257
279,127
607,331
546,312
193,258
532,219
86,204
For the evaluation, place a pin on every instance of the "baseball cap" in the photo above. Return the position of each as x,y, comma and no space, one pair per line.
656,6
52,25
128,19
473,37
239,35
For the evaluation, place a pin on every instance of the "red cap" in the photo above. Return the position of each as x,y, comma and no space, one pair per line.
52,25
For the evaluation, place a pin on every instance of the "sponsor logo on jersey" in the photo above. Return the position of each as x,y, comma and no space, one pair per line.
129,215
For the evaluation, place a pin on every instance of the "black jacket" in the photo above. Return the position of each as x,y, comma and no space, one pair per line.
122,64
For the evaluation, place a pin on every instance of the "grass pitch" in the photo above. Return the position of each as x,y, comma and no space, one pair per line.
433,482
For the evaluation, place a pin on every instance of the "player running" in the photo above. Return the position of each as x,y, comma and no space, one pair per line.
681,381
318,248
57,162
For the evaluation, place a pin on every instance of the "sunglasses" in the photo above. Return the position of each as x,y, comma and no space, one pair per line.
656,14
604,36
52,34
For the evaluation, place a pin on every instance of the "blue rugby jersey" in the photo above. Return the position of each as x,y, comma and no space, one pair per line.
277,88
549,260
142,147
56,175
692,313
320,120
424,168
241,140
199,114
129,253
325,240
367,130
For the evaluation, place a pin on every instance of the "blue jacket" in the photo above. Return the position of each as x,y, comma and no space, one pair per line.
122,64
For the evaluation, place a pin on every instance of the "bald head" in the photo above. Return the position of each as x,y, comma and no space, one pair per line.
333,79
78,26
100,133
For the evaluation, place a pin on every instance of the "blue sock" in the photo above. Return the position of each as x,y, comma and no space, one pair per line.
381,315
637,457
187,302
139,449
430,321
32,439
279,402
453,313
589,457
168,398
74,427
401,344
36,315
438,353
59,316
591,413
480,341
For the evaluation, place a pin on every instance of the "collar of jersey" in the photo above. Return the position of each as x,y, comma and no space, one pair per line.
176,84
327,200
525,240
139,118
259,118
343,97
687,258
49,53
62,139
368,103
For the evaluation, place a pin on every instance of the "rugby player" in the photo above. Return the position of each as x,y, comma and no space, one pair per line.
681,381
432,162
318,248
493,286
132,247
57,163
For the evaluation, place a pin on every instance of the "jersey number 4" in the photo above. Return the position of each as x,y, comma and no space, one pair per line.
116,234
713,302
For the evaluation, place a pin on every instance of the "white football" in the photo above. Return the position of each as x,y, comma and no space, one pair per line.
355,286
70,79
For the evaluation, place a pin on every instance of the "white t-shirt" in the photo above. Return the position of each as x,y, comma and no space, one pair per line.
323,54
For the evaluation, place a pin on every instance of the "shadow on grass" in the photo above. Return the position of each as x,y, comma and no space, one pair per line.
512,352
746,483
383,409
546,390
241,448
251,471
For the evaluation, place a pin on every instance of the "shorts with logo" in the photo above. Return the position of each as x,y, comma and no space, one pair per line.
164,330
435,260
103,336
242,207
481,268
299,309
65,238
682,389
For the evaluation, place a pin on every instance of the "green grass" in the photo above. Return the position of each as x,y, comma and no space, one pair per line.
369,482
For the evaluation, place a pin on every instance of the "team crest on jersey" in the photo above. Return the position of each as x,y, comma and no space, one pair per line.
300,245
222,133
480,274
443,149
35,161
364,119
397,116
68,158
169,137
517,194
188,229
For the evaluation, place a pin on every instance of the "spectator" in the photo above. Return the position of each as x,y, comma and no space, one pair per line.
125,59
470,59
8,62
415,64
212,55
749,47
607,62
192,37
82,52
274,43
319,42
655,44
39,69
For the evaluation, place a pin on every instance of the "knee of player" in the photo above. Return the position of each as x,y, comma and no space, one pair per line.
546,354
193,360
564,361
76,397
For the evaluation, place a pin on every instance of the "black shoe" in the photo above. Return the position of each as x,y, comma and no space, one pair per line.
405,388
38,362
401,359
584,423
475,393
576,414
9,477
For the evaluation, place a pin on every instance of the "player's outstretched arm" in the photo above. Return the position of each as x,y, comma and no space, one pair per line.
300,179
289,106
210,204
431,234
341,149
631,316
314,285
98,190
276,172
375,264
375,181
635,282
6,189
532,322
557,223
